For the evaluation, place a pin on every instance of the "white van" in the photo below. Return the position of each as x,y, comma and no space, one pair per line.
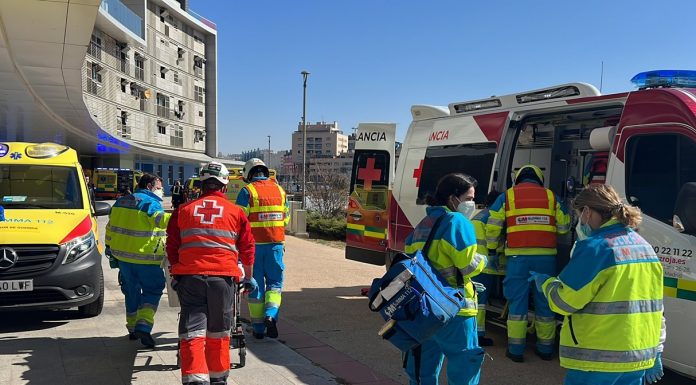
643,143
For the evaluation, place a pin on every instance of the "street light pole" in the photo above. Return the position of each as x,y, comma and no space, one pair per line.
268,161
305,74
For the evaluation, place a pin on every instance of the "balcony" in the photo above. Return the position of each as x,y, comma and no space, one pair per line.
124,15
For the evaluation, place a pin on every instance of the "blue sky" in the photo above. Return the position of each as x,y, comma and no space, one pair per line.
370,60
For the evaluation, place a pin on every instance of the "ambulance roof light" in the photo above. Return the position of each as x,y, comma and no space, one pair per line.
45,150
665,79
552,93
479,105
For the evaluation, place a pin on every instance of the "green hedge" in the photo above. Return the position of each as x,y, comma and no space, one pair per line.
328,228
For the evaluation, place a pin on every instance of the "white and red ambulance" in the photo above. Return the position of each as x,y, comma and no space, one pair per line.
643,143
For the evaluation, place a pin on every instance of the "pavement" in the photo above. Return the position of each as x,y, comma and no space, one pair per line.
327,336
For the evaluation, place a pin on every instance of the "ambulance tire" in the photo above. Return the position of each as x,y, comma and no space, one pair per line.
95,308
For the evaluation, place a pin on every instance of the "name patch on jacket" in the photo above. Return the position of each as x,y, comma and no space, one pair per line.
270,217
532,220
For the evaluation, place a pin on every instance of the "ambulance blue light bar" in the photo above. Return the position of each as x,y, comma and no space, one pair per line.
665,79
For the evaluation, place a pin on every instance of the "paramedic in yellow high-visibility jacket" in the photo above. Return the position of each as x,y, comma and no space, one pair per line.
135,237
529,217
494,269
453,253
611,295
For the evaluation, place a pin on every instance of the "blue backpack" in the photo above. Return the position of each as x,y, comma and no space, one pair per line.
414,299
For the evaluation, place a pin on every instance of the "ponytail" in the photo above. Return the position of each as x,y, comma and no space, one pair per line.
607,202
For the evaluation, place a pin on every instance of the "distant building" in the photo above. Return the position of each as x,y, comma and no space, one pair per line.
323,140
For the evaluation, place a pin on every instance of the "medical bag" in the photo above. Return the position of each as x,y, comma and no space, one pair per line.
414,299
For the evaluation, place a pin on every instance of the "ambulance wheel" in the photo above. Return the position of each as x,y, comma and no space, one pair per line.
95,308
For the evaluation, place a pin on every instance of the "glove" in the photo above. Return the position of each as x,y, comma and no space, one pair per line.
479,287
174,282
492,260
113,262
655,373
538,279
249,284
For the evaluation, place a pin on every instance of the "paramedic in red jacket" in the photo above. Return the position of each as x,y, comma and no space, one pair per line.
205,239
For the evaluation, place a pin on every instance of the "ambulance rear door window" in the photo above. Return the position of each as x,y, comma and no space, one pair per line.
369,181
474,159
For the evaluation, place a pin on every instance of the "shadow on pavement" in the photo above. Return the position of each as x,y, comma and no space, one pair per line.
58,360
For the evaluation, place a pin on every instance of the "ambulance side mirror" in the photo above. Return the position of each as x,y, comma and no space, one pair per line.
685,208
102,209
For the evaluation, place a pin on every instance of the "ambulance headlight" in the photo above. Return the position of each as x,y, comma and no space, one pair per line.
78,248
45,150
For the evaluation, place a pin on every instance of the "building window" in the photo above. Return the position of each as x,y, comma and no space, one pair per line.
162,106
124,82
198,94
197,38
200,114
166,30
163,72
122,125
181,173
657,166
180,54
171,175
179,111
139,67
95,47
198,66
177,138
198,136
161,128
176,79
159,170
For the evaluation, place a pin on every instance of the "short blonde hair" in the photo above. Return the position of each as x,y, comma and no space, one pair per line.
607,202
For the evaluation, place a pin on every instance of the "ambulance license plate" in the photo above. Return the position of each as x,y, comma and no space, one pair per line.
16,285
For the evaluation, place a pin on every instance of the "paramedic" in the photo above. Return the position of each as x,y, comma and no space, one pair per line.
263,201
453,254
177,194
493,270
206,238
528,216
135,237
611,295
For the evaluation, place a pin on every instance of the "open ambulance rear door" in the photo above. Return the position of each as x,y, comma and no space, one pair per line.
367,230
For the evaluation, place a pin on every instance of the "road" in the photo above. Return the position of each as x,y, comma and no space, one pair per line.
321,298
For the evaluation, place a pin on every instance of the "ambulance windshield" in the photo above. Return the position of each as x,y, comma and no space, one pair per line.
39,187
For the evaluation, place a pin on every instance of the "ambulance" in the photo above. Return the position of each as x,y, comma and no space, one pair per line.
50,253
643,143
111,183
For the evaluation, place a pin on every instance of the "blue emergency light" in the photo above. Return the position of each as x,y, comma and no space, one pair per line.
665,78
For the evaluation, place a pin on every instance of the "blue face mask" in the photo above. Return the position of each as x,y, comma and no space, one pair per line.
583,229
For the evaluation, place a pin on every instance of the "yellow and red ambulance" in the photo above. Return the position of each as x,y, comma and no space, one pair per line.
50,254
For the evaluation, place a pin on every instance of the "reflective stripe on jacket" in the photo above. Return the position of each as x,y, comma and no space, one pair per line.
136,231
611,295
453,251
531,216
479,221
267,209
207,236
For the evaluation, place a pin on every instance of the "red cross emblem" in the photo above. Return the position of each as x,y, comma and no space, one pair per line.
417,173
369,174
208,212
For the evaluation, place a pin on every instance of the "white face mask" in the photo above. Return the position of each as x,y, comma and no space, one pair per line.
467,208
159,192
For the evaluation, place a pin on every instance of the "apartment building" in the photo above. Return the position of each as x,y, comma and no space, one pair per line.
149,79
323,140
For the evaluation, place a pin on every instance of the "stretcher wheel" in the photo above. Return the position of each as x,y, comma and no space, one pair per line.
242,357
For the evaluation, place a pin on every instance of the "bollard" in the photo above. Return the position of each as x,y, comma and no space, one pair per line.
301,224
290,228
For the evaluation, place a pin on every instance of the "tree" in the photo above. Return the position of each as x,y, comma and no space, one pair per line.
327,190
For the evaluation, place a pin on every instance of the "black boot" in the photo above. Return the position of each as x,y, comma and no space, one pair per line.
146,339
485,341
514,357
543,356
132,336
271,328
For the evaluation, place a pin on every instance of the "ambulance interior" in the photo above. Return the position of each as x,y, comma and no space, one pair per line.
571,148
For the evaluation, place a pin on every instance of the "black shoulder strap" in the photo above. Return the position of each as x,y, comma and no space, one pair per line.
426,247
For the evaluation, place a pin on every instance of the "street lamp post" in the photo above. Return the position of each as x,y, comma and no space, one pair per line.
305,74
268,160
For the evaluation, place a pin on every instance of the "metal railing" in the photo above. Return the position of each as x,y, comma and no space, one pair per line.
203,20
163,112
94,50
124,15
